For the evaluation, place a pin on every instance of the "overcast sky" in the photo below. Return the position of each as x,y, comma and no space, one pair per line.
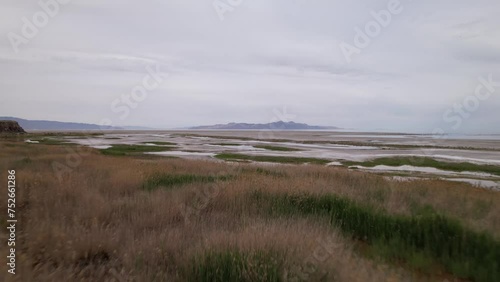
260,61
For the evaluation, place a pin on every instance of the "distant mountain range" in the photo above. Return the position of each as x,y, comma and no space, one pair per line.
57,125
280,125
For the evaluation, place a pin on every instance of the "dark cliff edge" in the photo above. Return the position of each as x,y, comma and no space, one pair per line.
10,127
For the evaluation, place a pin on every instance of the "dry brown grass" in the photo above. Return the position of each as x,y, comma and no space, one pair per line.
98,224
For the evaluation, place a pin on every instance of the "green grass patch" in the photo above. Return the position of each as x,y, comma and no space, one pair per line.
172,180
160,143
428,162
226,144
222,266
272,159
417,209
276,148
419,241
124,150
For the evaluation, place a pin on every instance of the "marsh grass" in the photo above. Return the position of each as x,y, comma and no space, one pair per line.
428,162
123,150
272,173
234,265
172,180
417,240
272,159
276,148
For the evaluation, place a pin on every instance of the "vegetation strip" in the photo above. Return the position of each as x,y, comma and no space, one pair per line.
428,162
272,159
276,148
160,143
123,150
465,253
172,180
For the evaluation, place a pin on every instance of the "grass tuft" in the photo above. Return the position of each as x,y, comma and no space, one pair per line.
272,159
235,266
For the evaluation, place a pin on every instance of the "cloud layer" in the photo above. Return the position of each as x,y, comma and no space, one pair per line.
262,57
